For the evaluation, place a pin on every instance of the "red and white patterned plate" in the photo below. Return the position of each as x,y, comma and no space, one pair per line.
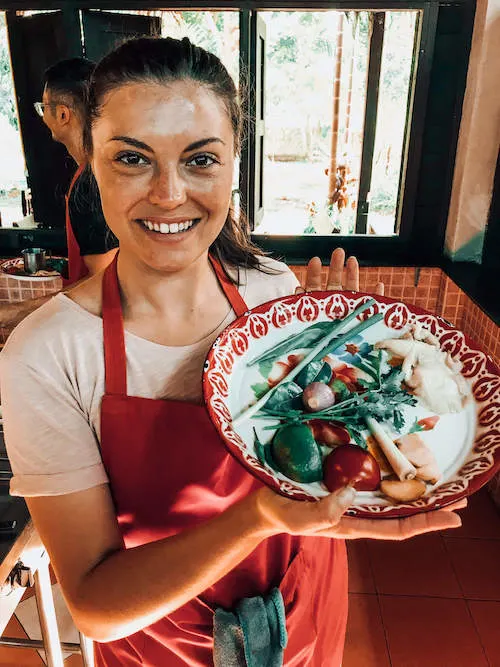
466,444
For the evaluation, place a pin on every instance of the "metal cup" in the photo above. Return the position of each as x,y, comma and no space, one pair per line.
34,259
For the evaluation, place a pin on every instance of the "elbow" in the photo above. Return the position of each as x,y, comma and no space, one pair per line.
98,630
99,623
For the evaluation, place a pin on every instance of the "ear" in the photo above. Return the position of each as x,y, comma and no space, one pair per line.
63,114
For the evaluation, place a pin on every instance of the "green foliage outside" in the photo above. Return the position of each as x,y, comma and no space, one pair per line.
7,107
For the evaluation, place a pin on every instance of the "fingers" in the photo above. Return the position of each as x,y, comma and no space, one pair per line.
393,529
283,515
352,275
380,289
313,275
459,505
336,270
330,509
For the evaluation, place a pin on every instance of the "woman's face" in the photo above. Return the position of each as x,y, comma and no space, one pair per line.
163,157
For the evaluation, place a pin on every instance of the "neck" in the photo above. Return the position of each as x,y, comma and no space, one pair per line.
148,292
74,146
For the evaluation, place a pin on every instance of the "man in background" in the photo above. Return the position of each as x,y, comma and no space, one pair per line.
63,112
91,244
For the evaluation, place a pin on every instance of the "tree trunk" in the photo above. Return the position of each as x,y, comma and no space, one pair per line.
332,174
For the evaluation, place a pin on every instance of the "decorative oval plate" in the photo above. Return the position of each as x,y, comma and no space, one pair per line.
465,444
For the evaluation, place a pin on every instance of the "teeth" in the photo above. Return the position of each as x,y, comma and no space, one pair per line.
165,228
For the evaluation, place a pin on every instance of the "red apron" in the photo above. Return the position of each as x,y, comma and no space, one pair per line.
169,471
77,269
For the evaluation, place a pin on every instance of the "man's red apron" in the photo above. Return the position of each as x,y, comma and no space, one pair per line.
77,269
169,471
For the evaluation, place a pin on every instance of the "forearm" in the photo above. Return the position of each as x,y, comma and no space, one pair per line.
133,588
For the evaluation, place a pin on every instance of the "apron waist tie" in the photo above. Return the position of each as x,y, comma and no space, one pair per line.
253,635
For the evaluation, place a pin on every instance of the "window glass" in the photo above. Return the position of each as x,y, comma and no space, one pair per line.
318,126
13,188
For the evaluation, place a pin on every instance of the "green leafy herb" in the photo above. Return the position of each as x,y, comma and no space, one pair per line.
260,388
309,373
307,338
284,398
265,368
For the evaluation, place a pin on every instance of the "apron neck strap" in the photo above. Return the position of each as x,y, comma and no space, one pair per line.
229,288
115,360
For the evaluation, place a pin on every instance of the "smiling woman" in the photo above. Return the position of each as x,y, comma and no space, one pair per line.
153,529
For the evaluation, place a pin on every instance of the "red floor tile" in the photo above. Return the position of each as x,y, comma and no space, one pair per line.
419,566
18,657
360,571
486,616
365,644
480,519
430,632
477,566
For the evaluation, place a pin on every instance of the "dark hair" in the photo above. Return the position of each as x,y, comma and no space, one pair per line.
70,79
164,60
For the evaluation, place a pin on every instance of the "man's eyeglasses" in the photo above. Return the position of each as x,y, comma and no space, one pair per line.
40,107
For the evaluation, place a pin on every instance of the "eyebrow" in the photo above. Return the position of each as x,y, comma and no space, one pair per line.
142,146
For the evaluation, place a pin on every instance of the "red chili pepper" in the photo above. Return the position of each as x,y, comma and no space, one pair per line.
428,423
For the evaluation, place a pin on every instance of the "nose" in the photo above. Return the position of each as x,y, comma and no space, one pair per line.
168,188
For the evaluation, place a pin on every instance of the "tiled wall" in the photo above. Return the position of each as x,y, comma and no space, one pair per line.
13,290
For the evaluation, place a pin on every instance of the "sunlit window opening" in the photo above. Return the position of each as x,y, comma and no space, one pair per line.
338,94
14,196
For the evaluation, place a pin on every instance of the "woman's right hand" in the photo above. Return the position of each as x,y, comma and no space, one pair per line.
325,518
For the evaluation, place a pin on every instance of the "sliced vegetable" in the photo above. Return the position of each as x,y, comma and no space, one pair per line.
318,396
331,434
351,465
297,454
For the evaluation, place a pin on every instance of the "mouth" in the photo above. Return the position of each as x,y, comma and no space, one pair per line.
165,228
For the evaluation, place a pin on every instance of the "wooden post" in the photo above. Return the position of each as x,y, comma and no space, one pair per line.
332,174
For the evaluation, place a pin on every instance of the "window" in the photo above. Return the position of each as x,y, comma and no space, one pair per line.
13,188
337,115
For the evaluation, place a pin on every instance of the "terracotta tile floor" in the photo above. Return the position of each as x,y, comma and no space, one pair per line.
433,601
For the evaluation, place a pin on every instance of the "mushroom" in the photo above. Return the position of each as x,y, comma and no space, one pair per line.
406,491
417,452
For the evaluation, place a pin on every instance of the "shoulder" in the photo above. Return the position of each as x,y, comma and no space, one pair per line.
274,279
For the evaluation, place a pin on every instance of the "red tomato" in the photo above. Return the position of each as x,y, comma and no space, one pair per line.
350,464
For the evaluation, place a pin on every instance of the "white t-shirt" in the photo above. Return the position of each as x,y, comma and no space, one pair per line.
52,383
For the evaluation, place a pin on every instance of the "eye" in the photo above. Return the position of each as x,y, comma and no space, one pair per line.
202,160
131,159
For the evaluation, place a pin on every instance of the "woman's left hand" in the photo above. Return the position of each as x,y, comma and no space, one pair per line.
341,275
352,528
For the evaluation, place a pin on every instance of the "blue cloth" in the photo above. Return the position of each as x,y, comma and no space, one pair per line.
253,635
